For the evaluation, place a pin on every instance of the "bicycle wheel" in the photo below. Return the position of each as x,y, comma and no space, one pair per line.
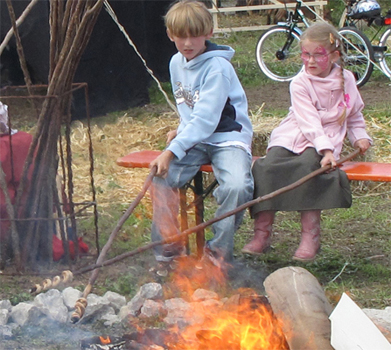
385,62
278,58
359,54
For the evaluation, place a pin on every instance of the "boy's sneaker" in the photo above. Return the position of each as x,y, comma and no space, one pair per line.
210,257
163,268
174,250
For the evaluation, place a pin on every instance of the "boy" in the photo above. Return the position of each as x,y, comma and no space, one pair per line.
214,127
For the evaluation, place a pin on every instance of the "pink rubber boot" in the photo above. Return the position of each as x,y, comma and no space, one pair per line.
310,236
262,230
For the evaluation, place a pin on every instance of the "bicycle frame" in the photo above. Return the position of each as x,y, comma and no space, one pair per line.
278,46
293,19
379,52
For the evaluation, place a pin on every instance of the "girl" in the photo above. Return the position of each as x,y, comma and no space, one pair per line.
325,107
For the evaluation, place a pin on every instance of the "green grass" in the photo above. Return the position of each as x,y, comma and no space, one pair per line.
244,60
356,249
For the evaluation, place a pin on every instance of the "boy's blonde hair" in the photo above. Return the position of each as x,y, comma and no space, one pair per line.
188,18
328,36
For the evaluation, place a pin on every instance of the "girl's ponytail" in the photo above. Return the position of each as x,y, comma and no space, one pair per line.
339,48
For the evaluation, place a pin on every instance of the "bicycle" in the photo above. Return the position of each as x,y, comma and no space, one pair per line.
358,41
278,49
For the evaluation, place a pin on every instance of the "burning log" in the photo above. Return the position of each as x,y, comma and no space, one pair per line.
104,343
299,301
149,339
66,277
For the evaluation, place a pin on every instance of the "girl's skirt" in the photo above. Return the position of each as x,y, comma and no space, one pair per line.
282,167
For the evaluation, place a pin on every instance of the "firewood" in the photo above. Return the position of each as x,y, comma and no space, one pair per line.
299,301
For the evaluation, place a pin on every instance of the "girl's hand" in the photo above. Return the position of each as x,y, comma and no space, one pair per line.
328,158
363,145
171,135
162,163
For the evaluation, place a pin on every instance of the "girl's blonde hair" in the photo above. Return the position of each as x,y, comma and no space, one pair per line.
327,35
188,18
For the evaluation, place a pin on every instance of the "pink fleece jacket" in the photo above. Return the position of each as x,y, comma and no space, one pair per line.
316,105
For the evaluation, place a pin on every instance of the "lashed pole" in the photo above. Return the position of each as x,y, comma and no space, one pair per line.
70,37
18,22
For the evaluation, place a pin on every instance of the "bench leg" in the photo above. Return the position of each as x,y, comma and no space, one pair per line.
183,210
199,212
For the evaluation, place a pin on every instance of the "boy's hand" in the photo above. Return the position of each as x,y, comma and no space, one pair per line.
162,163
363,145
328,158
171,135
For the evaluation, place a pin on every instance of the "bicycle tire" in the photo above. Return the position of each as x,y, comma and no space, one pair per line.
273,62
359,54
385,62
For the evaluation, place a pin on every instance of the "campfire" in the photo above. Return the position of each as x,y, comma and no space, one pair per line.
242,321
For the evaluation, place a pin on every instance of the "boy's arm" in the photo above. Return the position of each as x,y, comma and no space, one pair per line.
171,135
162,163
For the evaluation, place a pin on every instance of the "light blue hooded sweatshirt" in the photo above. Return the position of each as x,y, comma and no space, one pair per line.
210,99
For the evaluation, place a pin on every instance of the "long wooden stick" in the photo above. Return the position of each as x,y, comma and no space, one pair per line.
218,218
81,303
19,21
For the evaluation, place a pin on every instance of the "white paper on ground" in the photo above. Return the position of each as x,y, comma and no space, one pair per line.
352,329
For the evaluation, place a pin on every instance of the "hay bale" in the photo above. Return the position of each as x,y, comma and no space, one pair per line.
262,127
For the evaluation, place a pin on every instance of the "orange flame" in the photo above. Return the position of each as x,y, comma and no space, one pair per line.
106,340
242,322
245,321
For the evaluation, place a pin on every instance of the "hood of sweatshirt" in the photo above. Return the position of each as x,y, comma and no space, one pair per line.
212,50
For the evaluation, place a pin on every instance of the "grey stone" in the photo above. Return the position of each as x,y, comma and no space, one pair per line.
211,304
5,304
382,319
51,304
203,294
152,308
135,304
115,300
124,312
97,307
25,313
152,291
4,316
6,332
181,313
110,319
70,296
94,300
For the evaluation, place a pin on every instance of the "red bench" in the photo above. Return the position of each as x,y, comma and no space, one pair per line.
359,171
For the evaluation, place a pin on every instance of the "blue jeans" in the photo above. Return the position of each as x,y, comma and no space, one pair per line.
232,169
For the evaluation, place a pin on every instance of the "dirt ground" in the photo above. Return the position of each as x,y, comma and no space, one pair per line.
276,95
